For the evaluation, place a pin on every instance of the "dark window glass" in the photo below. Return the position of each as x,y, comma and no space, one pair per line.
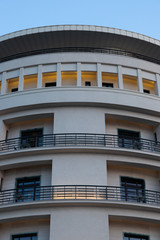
32,138
146,91
87,83
155,137
109,85
129,139
132,189
14,90
131,236
28,189
29,236
50,84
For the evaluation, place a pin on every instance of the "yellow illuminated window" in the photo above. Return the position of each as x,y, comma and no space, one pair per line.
12,84
49,79
109,80
89,78
148,86
69,78
30,81
130,82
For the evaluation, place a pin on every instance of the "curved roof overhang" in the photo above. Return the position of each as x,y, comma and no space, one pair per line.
77,36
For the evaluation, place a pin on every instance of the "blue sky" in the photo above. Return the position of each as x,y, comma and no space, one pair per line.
142,16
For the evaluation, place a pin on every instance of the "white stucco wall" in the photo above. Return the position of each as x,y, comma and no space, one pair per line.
151,177
79,168
14,129
40,226
79,223
79,120
118,227
11,175
145,130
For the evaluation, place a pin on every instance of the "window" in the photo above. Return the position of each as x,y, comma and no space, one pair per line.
109,85
146,91
14,89
28,236
132,189
132,236
50,84
129,139
32,138
27,189
87,83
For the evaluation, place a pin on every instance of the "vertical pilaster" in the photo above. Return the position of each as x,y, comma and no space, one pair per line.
59,80
4,83
52,180
3,130
39,80
21,79
158,133
139,80
51,237
157,85
120,77
107,228
99,75
79,83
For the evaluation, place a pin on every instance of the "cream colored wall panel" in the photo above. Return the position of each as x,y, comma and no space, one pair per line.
69,67
13,74
146,131
50,68
80,223
88,67
79,120
43,171
14,130
129,71
148,75
41,227
118,227
80,169
151,177
108,68
30,70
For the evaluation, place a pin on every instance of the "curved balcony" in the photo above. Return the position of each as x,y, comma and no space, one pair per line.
113,51
80,192
79,140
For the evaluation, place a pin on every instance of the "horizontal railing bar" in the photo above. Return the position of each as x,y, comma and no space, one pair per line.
79,139
81,49
80,192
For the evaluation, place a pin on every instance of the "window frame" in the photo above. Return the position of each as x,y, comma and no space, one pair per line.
87,83
110,85
19,235
141,199
146,237
50,84
28,143
18,199
129,141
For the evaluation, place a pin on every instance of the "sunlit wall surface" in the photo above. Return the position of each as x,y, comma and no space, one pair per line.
79,134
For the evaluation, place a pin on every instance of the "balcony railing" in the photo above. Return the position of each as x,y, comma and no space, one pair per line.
81,192
79,140
81,49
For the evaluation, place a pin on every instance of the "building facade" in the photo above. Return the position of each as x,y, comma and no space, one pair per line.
79,134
